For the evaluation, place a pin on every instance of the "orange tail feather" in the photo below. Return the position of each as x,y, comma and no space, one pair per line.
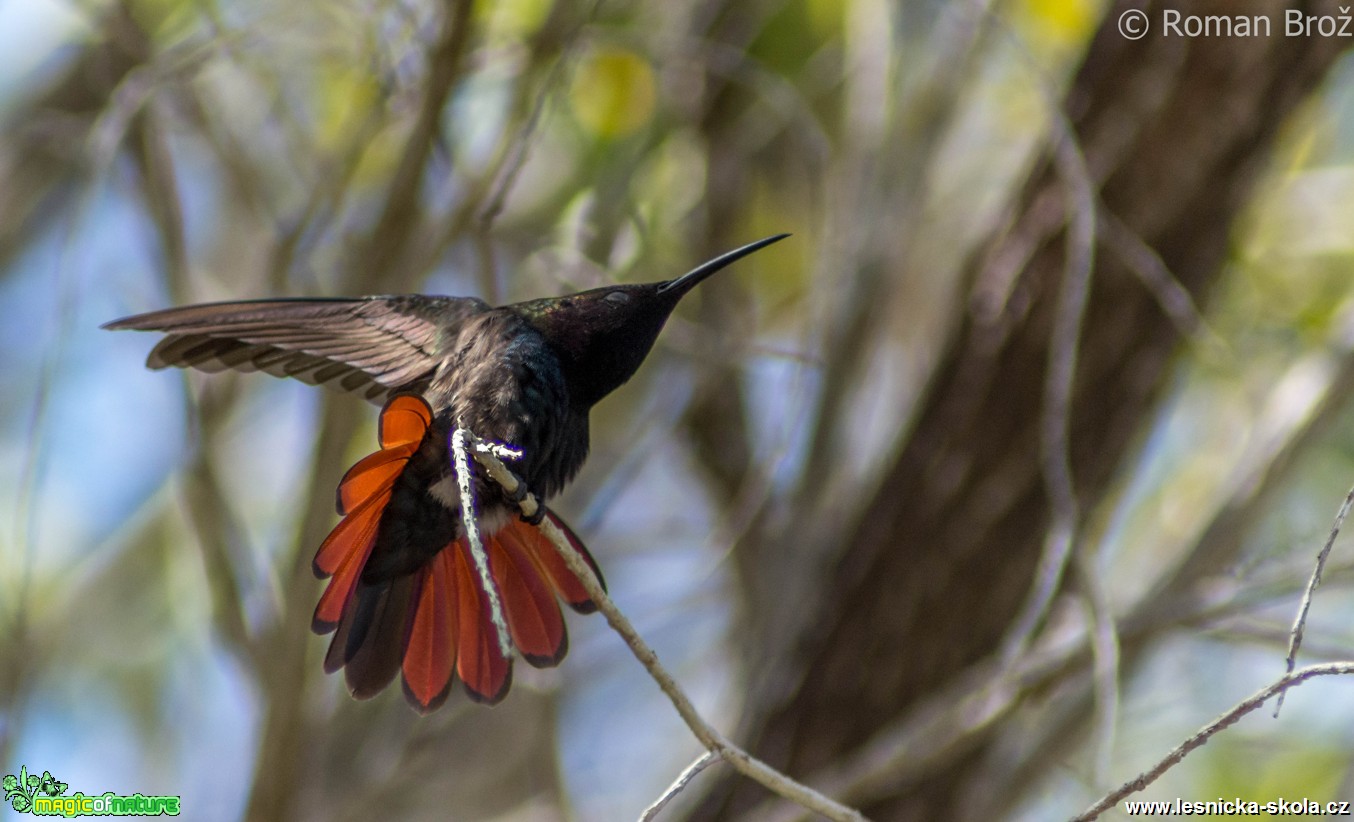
547,558
431,653
363,494
534,620
405,419
371,475
486,672
342,554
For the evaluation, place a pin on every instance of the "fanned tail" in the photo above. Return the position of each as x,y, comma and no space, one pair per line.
551,564
363,495
436,623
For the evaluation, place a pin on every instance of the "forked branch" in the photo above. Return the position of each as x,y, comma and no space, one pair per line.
716,743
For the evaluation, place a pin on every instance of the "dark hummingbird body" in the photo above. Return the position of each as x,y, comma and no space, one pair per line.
525,374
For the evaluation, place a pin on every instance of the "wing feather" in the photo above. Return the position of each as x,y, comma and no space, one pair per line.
371,346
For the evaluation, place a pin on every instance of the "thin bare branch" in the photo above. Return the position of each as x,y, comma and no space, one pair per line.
1300,621
1104,634
1152,272
1055,450
712,739
1208,731
702,762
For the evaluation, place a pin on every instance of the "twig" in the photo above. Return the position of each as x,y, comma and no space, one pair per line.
1207,732
472,537
1054,444
1104,636
400,215
712,739
1300,621
515,159
704,761
1153,273
501,178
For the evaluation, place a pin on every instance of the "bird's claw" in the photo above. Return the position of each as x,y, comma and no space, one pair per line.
521,494
536,518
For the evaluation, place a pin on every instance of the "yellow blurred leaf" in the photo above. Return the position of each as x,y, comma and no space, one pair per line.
166,19
344,94
1058,22
613,92
512,18
825,16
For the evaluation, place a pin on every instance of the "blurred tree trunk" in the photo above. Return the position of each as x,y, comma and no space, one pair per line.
1174,131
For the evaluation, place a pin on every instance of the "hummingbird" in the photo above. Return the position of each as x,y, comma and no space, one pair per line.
404,598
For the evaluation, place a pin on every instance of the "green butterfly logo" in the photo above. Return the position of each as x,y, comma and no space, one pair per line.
22,789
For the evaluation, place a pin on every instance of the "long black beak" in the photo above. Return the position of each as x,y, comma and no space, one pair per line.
689,280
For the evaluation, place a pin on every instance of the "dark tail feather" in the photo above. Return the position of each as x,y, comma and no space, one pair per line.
334,657
375,641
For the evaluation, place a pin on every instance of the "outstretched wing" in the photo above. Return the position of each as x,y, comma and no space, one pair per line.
370,346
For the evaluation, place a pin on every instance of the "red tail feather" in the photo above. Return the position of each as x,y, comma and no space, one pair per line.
371,475
486,672
431,652
534,620
543,551
362,495
342,554
405,419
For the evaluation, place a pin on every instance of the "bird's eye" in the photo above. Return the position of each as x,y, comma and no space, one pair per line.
618,297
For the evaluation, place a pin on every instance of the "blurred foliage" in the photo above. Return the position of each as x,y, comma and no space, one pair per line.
612,93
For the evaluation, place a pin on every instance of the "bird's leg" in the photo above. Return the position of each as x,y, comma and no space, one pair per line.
519,492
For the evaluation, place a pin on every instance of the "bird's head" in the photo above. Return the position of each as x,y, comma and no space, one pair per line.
603,335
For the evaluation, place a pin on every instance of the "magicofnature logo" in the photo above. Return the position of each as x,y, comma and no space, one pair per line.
46,796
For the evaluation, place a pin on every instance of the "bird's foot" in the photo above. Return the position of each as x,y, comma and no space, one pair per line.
521,494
